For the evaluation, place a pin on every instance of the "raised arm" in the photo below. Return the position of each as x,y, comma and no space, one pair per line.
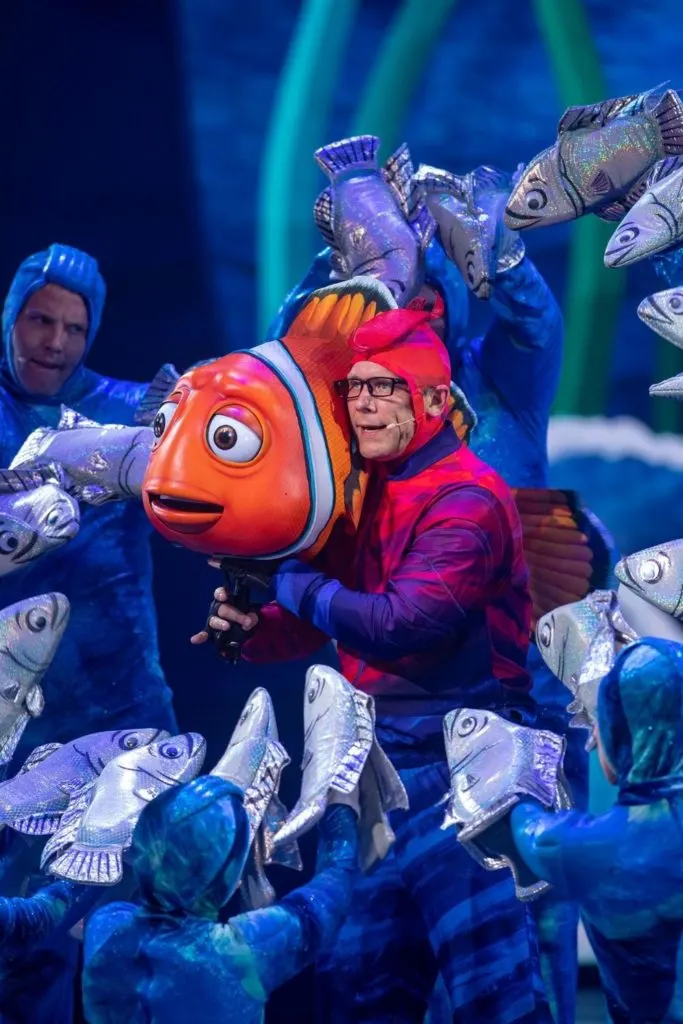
287,937
521,352
26,921
461,555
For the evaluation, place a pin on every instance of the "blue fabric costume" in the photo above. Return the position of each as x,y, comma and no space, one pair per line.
510,377
106,673
169,959
626,867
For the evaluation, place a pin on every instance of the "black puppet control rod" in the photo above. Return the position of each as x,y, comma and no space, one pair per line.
240,578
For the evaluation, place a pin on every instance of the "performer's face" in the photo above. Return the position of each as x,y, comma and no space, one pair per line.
384,426
49,339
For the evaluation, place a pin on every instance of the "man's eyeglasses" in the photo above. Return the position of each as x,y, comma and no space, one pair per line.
378,387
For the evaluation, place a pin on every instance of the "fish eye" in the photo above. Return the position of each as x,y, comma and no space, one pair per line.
536,199
129,741
651,571
232,440
163,418
545,634
9,542
628,235
314,689
36,620
676,302
469,267
466,726
53,517
170,750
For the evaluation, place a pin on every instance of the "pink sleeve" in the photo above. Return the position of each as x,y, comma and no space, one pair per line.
281,636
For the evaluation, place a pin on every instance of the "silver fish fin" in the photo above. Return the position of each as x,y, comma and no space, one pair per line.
347,776
669,115
10,740
88,865
672,387
70,420
287,855
596,115
619,207
663,169
12,481
95,494
38,755
435,179
410,193
322,215
380,791
70,821
37,824
491,179
303,816
256,892
357,153
580,721
31,448
163,383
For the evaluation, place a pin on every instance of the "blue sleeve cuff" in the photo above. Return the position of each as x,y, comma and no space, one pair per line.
305,592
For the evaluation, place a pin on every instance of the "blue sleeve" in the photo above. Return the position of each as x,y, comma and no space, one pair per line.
460,553
521,353
26,921
102,925
317,276
285,938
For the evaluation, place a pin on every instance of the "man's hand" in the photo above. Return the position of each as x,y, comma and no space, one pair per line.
225,614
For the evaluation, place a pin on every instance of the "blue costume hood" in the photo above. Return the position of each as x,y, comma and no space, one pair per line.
190,846
71,269
640,718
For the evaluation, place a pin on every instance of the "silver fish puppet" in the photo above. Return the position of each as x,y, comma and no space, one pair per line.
579,643
30,633
254,760
663,313
469,211
375,219
493,764
33,521
98,825
339,745
600,161
34,801
656,574
103,462
655,222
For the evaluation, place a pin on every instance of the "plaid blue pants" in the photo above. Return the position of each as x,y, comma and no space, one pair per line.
428,908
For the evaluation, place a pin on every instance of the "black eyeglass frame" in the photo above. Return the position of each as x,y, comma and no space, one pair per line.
344,387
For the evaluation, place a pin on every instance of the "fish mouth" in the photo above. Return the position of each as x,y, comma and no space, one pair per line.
183,514
516,220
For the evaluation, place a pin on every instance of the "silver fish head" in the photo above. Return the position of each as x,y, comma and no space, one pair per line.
479,747
564,635
52,512
99,748
163,763
663,313
466,240
540,196
16,537
256,728
653,224
656,574
257,718
330,727
30,632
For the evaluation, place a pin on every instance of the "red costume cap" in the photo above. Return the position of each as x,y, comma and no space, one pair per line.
402,341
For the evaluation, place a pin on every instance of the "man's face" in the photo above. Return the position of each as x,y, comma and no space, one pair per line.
49,339
384,427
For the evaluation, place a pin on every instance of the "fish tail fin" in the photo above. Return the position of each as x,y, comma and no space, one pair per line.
91,867
359,153
410,193
435,179
65,835
669,115
322,215
163,383
37,824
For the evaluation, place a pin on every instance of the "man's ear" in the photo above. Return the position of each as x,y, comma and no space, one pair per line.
435,399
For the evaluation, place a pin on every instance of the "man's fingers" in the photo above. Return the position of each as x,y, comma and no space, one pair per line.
220,594
199,638
217,623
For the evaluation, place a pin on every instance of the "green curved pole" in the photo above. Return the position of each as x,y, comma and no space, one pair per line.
594,293
289,177
409,44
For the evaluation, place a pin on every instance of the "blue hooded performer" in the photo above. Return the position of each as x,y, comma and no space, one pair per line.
625,868
169,958
106,673
509,376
